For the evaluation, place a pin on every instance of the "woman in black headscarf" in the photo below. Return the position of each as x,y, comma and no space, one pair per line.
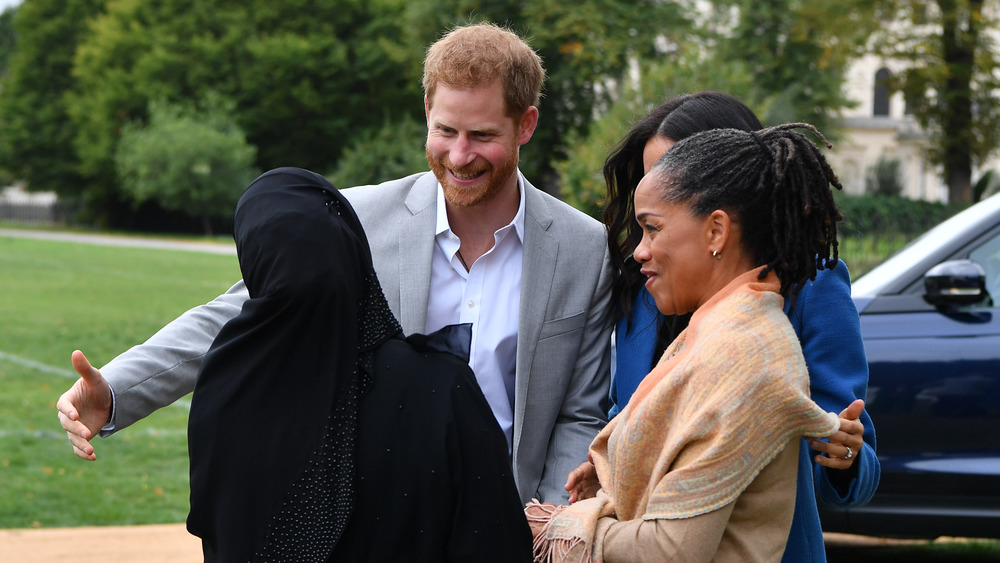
317,432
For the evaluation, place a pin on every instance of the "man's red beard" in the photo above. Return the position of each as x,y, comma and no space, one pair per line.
491,183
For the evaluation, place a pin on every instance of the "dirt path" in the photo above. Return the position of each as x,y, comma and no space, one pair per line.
121,240
160,543
171,543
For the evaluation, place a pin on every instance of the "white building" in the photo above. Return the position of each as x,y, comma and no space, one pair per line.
880,127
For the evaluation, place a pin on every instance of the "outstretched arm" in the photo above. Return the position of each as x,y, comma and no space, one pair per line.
145,377
164,368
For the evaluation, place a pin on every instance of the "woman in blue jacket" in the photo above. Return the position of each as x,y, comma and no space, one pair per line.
845,471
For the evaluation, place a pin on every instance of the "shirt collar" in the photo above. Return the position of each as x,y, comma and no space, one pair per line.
518,222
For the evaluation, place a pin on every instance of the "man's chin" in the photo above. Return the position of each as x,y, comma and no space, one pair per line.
462,197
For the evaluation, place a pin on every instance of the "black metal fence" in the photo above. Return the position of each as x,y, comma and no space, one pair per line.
46,213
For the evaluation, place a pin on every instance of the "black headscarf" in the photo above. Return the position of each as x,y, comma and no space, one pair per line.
273,425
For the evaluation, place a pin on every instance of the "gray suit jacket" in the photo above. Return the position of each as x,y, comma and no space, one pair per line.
563,343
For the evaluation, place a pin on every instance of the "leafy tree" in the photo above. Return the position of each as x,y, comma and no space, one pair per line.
785,58
306,76
37,140
950,80
797,51
8,38
7,44
588,47
581,175
194,161
311,78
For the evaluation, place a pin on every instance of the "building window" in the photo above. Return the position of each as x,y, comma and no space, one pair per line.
881,100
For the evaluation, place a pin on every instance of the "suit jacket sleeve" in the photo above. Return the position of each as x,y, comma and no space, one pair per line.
164,368
826,320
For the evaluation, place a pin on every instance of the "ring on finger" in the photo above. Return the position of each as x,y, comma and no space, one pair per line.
849,454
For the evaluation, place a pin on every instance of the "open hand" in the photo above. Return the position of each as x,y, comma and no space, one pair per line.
85,408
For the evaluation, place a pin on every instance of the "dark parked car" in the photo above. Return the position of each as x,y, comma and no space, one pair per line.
931,325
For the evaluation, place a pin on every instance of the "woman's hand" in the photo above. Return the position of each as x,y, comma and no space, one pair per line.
582,482
845,444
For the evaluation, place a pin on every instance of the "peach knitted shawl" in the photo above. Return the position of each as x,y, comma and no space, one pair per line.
722,402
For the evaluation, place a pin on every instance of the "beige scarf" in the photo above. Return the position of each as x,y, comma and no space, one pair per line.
722,402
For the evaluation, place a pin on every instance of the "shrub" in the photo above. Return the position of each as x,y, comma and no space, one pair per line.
196,161
884,179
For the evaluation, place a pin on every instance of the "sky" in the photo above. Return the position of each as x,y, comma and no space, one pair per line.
4,4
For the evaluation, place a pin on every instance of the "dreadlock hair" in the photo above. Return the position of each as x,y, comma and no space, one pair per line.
675,119
775,181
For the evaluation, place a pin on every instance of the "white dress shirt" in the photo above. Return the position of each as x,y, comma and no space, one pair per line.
488,296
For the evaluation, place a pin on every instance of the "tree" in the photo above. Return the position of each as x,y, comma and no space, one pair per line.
306,76
797,51
192,160
786,59
7,43
588,47
392,151
8,38
582,178
36,144
950,80
311,78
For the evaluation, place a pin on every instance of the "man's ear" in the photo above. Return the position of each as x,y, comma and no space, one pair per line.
527,126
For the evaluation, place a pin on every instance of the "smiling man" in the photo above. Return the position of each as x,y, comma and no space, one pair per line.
471,242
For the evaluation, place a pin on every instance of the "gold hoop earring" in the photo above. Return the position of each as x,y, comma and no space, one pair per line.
717,255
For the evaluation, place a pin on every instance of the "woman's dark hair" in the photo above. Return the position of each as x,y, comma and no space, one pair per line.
675,119
775,182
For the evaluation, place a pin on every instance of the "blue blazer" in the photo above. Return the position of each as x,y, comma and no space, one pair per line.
826,321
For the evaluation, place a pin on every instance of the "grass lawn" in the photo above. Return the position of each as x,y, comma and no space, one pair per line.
863,254
58,297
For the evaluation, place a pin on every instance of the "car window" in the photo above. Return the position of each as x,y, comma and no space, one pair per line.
988,256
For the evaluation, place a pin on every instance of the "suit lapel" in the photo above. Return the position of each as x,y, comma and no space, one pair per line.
416,252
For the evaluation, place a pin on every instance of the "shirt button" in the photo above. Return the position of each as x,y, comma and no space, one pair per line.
471,303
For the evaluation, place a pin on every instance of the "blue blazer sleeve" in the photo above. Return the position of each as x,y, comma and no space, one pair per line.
635,343
827,323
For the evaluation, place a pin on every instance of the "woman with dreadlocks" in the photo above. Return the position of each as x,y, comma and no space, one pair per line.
843,471
700,465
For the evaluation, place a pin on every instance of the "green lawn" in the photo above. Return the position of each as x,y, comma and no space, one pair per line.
57,297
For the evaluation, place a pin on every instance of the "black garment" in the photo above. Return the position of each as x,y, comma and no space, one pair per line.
433,458
274,425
